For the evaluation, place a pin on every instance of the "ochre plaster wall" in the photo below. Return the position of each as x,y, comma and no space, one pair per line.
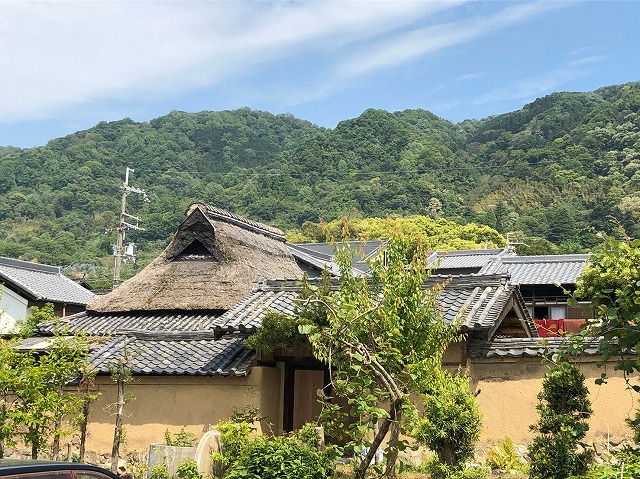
171,402
507,399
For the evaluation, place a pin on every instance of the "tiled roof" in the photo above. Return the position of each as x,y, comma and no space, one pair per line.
465,259
248,313
476,300
321,255
551,269
522,347
104,324
158,353
42,282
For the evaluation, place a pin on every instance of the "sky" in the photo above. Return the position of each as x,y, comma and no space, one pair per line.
65,66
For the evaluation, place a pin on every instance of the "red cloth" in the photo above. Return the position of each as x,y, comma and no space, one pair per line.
548,328
573,325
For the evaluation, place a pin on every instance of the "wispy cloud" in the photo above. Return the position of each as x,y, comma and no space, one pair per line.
407,46
528,89
470,76
59,54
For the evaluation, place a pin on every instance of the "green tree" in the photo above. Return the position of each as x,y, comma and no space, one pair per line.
41,398
450,425
383,339
564,409
611,282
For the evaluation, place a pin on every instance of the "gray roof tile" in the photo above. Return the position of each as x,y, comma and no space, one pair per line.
465,259
43,282
104,324
475,300
551,269
161,352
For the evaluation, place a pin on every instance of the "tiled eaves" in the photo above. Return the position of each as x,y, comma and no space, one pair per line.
524,347
248,313
43,282
106,324
162,353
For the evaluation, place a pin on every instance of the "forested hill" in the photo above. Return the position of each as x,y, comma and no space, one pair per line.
556,170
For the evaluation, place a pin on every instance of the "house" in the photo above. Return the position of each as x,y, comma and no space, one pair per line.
183,319
546,282
165,319
24,284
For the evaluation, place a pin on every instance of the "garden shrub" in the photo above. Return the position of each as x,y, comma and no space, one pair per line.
188,470
503,457
282,457
624,465
564,408
450,425
234,437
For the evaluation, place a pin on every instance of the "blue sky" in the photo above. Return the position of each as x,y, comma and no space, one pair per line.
68,65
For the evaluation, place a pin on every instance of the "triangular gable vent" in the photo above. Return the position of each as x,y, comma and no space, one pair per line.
195,251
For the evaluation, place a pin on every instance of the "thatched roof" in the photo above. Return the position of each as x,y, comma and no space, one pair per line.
214,260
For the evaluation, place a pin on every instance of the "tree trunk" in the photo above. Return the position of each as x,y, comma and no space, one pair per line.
84,418
117,434
392,448
55,449
361,471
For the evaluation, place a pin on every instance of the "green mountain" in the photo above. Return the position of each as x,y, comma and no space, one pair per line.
557,170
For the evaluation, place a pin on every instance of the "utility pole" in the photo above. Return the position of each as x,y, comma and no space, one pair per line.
120,252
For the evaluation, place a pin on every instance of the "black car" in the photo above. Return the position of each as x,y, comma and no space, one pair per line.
29,469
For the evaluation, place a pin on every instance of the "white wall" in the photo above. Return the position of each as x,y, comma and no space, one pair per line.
13,308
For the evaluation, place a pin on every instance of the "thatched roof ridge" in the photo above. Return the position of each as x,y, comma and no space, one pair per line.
214,260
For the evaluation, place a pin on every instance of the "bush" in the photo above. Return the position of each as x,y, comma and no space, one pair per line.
234,437
283,457
564,409
503,457
450,426
625,465
188,470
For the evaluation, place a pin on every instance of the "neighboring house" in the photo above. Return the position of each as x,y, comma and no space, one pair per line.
24,284
545,281
313,258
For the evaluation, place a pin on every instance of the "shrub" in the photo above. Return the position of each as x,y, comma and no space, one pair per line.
283,457
188,470
625,465
503,456
234,437
450,425
181,439
564,409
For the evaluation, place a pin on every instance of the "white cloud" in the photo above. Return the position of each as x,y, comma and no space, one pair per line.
470,76
59,54
528,89
417,43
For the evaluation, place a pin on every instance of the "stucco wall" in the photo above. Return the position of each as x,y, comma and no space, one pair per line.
171,402
507,399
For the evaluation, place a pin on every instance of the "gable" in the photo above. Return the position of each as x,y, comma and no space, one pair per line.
195,238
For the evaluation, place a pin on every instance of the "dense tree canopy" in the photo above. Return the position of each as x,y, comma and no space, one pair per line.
612,282
555,170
